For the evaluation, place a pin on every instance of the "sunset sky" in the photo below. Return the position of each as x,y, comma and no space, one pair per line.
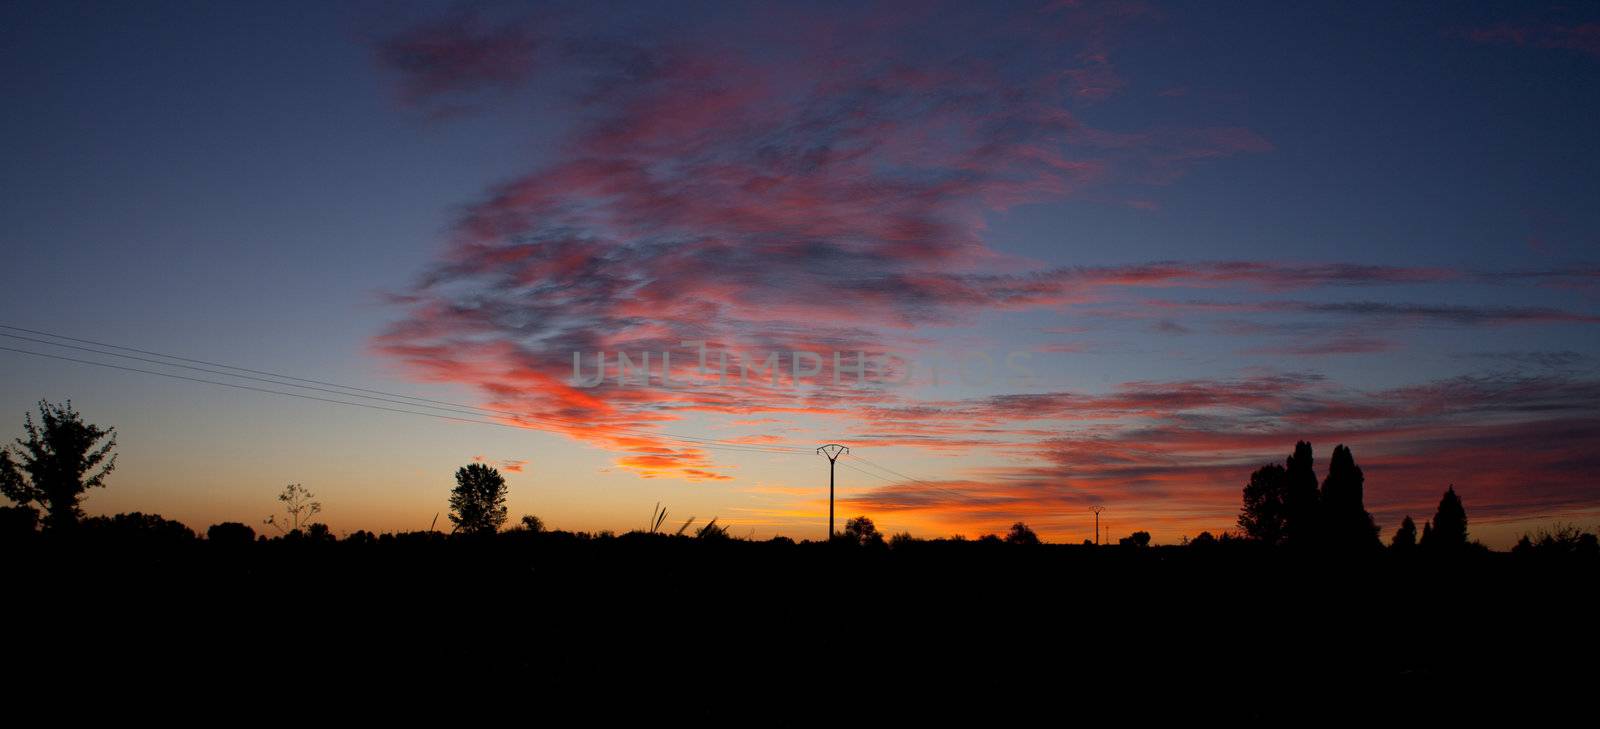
1205,231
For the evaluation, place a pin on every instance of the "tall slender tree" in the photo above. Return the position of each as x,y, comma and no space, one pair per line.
61,458
1346,524
1405,538
1449,530
1300,524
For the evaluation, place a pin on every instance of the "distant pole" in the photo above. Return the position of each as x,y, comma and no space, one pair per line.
1097,509
832,451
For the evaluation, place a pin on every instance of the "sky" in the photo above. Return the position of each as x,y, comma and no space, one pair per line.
1114,254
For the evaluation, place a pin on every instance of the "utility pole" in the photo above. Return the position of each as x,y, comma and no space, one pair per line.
832,451
1097,509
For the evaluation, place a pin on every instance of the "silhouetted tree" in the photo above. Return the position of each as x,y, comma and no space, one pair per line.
531,523
861,530
1345,521
478,502
137,528
1206,539
298,508
902,539
1405,538
1263,514
1559,541
58,462
1449,524
1021,534
1139,539
230,532
319,532
1300,501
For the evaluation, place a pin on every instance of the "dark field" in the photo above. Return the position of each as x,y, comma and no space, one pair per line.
639,609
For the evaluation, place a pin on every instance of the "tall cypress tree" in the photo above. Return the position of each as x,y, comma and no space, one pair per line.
1405,538
1449,530
1300,497
1345,520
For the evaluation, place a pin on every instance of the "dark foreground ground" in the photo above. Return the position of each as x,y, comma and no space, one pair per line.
1244,632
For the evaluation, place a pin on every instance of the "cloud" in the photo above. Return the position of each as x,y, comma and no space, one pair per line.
443,64
1583,38
824,185
1174,455
1455,314
789,195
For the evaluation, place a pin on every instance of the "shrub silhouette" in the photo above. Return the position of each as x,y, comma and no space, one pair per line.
711,531
1559,541
1139,539
57,463
478,502
1021,534
137,528
230,532
531,523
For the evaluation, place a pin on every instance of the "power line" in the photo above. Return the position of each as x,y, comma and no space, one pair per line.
252,388
901,483
908,478
452,407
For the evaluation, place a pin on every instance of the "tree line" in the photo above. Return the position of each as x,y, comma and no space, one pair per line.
1285,506
61,457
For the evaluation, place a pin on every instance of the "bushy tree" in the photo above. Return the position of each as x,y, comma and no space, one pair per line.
230,532
531,523
1140,539
861,530
61,458
1263,515
478,502
1021,534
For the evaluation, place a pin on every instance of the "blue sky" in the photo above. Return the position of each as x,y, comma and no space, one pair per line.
256,184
